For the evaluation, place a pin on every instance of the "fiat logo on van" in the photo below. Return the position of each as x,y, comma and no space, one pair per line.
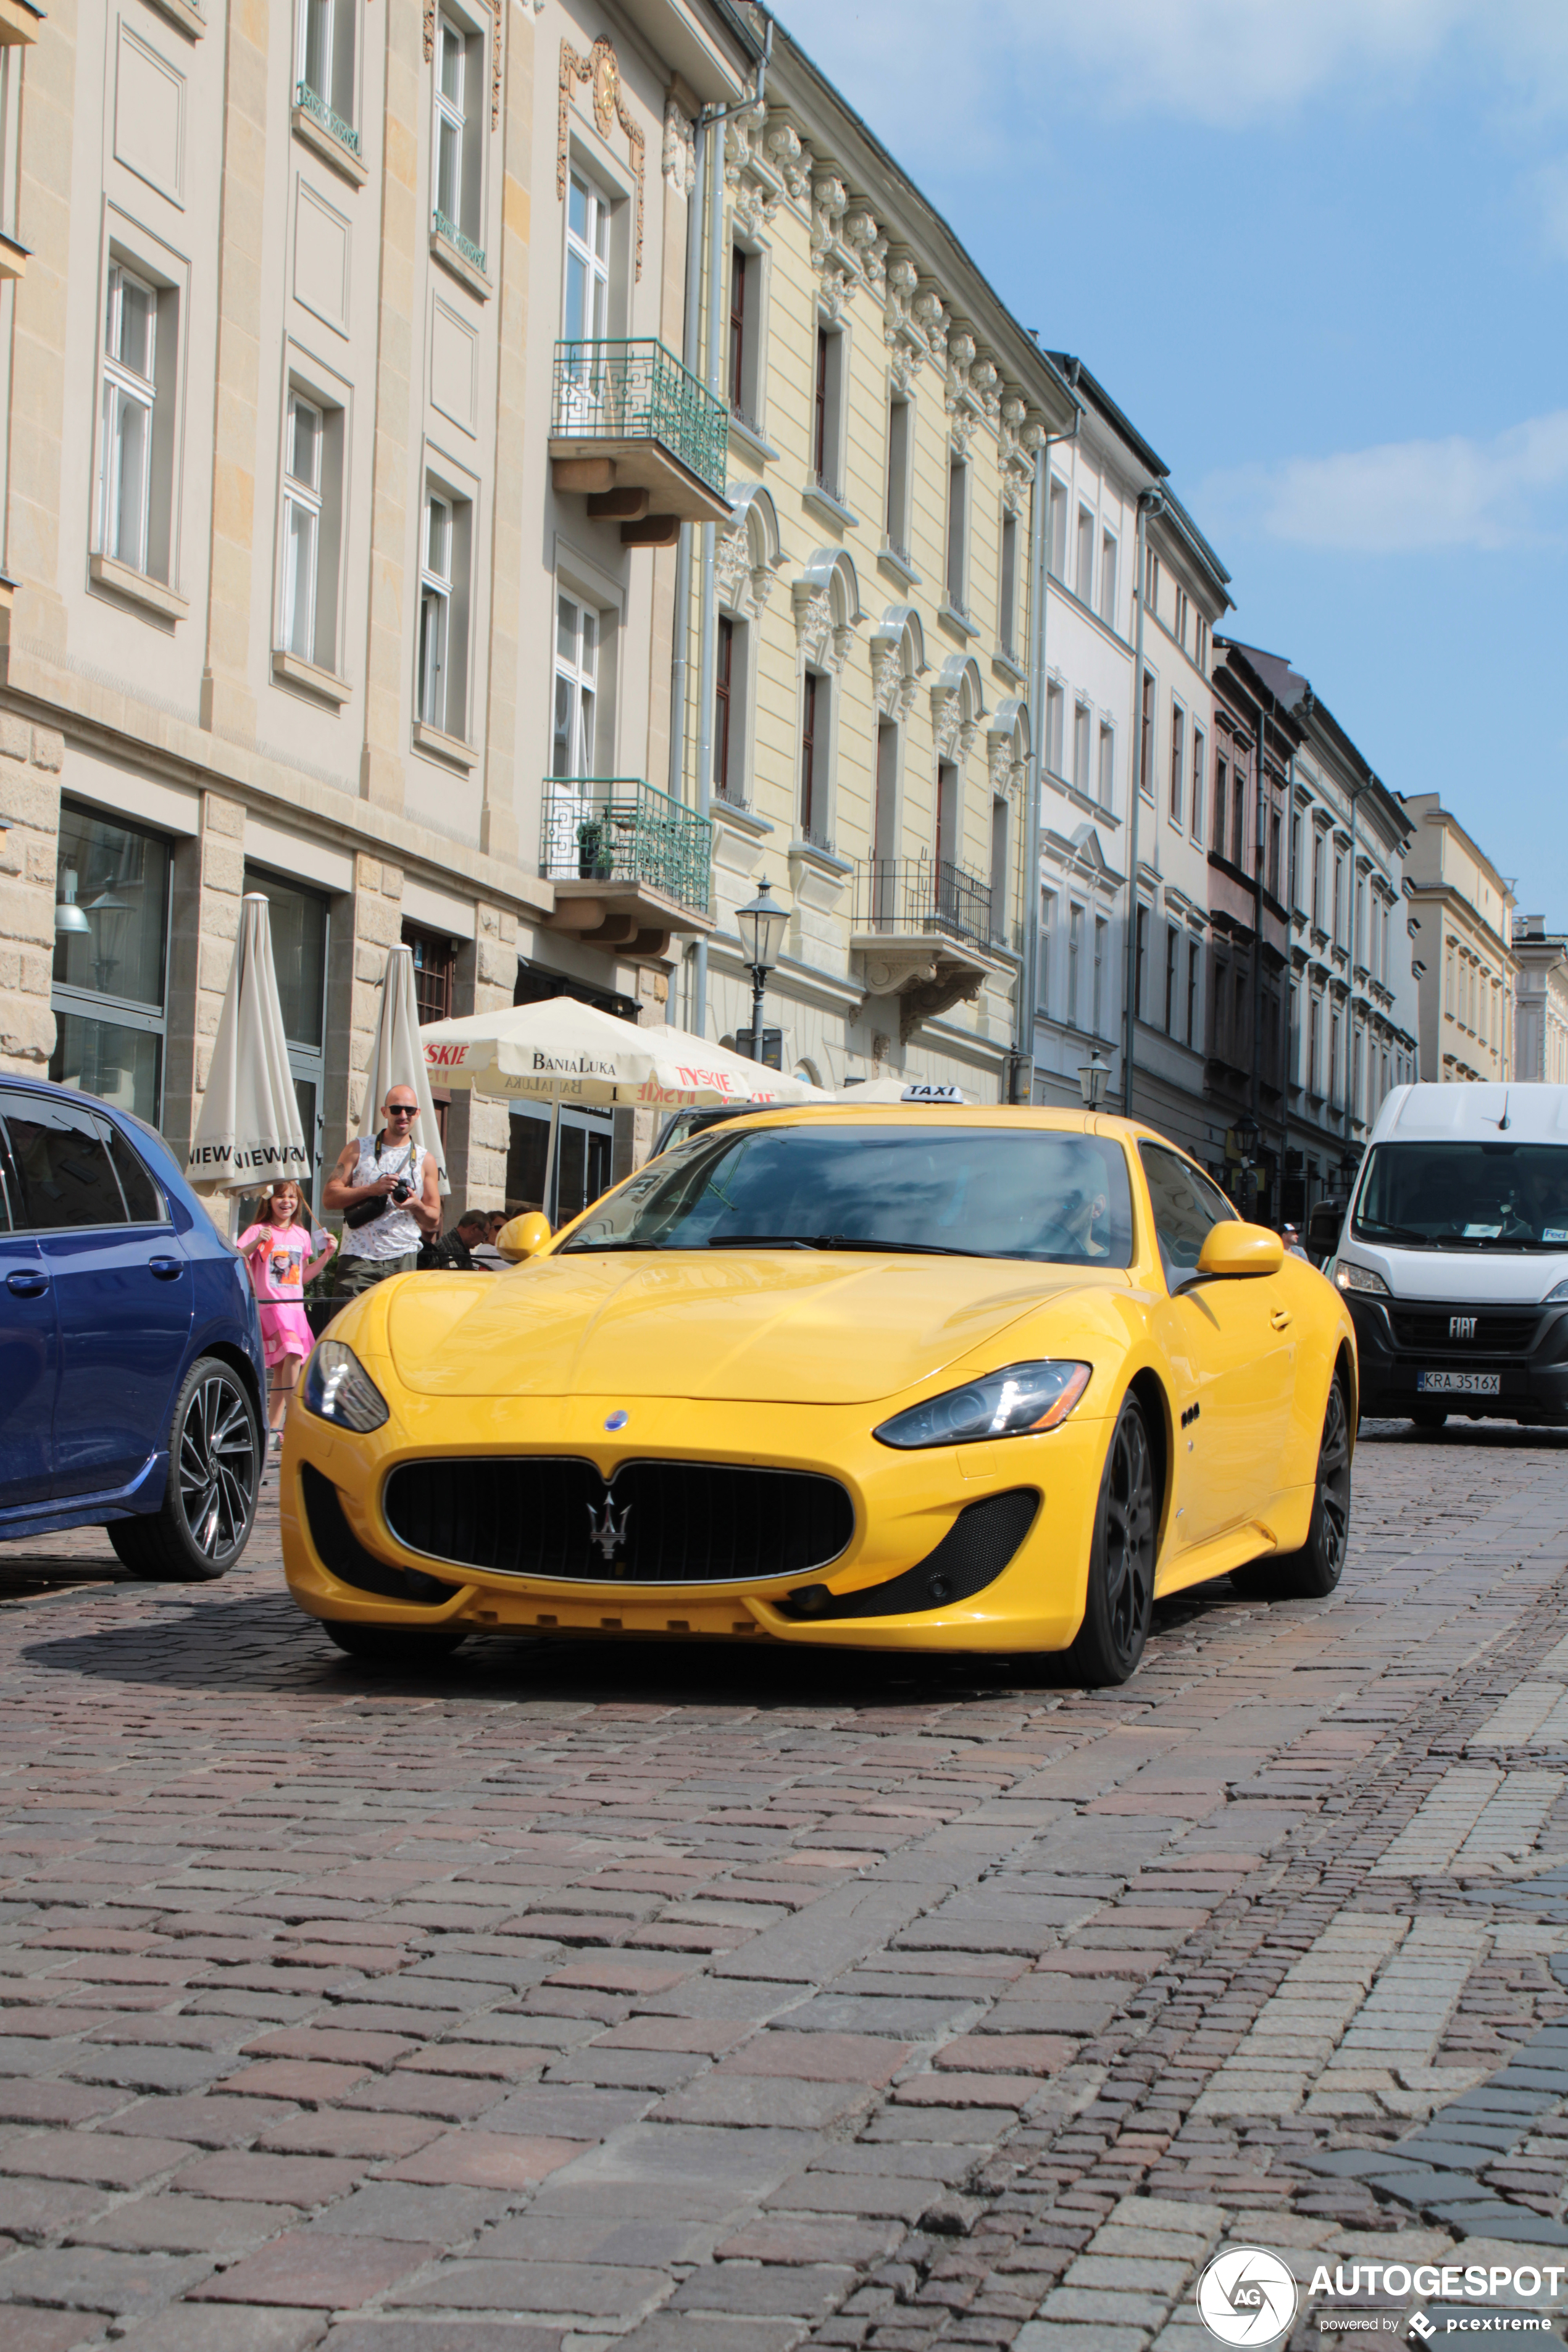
1461,1327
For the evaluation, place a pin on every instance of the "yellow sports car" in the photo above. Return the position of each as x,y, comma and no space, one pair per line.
915,1377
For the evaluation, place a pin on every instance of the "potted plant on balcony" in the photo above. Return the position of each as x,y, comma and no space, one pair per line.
596,851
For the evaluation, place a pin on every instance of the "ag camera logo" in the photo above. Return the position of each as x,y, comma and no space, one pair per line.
1247,2296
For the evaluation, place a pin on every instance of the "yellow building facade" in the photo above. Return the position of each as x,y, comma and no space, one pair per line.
857,714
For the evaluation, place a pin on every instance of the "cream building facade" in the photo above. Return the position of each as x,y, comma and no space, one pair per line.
343,449
1460,920
863,726
1541,1004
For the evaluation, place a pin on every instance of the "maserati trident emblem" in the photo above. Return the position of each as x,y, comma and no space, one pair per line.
610,1533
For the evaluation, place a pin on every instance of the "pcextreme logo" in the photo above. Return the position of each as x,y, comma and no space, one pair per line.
1246,2296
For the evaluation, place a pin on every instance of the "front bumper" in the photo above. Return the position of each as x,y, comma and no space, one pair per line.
1532,1378
908,1507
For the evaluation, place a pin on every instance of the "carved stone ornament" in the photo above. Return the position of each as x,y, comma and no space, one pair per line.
743,586
753,169
954,733
1006,773
892,685
927,982
601,71
680,160
788,157
823,644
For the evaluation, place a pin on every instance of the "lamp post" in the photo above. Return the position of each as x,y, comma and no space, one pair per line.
761,927
1093,1076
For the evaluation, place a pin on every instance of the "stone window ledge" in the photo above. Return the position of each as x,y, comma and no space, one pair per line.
461,268
451,748
322,683
331,150
139,588
181,12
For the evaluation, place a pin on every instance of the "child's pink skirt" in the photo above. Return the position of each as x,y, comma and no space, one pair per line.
285,1331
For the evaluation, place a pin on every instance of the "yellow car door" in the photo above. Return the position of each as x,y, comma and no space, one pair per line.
1231,1348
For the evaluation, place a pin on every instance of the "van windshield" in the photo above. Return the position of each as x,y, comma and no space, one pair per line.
1470,1196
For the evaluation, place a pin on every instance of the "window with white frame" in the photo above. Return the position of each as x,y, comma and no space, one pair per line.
585,304
442,683
459,149
957,535
1007,587
1001,858
900,443
324,67
1085,580
1074,956
1055,719
1048,931
1101,943
1182,611
1056,530
1108,579
828,412
1178,761
1200,764
1081,732
136,423
576,688
302,459
1107,764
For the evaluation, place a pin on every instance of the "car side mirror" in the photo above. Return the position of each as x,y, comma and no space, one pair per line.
524,1237
1233,1249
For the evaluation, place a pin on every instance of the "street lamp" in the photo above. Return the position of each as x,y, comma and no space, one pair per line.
761,928
69,916
1092,1078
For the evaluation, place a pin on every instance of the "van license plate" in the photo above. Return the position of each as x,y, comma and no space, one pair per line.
1458,1383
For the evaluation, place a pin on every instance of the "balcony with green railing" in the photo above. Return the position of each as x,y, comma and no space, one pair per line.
447,233
621,843
627,416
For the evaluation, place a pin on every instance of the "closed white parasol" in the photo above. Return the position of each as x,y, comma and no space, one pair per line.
397,1057
248,1131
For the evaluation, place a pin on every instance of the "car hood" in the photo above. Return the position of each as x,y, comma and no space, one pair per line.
1459,1276
823,1328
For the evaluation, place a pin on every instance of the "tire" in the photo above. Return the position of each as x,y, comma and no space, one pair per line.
394,1645
1311,1573
208,1510
1120,1595
1428,1417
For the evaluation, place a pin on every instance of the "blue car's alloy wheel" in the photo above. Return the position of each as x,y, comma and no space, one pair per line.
215,1478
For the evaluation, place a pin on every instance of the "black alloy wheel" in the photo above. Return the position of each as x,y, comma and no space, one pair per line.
1311,1573
1120,1596
204,1520
408,1646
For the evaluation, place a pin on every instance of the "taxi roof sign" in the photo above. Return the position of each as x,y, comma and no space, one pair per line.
931,1095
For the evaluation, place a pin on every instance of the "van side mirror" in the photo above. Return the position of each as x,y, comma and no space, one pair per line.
1234,1249
524,1237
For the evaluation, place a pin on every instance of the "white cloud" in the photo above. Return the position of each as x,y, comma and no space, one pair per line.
1219,61
1405,497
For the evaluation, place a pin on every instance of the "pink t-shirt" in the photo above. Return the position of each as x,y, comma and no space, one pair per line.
277,1271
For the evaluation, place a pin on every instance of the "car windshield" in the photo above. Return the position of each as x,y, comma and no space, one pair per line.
1474,1196
955,1191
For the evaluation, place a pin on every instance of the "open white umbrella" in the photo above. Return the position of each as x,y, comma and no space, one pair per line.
563,1051
249,1132
397,1057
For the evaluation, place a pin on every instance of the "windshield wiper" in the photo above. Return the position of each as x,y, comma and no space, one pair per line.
839,1242
1397,1233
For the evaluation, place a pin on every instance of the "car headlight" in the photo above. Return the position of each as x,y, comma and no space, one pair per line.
1555,1297
1018,1402
1361,1278
338,1387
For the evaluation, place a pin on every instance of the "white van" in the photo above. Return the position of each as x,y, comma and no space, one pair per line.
1454,1256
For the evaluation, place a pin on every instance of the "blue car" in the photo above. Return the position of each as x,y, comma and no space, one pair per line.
132,1383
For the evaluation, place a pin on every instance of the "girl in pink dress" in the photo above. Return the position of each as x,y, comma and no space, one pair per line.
277,1251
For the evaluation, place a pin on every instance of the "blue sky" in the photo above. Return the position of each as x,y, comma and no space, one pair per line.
1318,250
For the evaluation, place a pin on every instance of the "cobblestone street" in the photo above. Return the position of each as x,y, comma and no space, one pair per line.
730,2001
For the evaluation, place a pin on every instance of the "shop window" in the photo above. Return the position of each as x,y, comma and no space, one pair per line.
110,961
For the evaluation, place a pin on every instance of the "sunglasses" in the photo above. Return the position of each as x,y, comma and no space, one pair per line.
401,1110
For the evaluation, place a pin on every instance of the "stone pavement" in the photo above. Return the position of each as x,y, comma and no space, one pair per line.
701,2002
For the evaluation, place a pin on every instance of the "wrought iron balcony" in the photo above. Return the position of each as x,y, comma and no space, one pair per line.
311,101
627,417
611,838
904,898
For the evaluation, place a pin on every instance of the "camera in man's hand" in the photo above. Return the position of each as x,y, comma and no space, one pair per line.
400,1192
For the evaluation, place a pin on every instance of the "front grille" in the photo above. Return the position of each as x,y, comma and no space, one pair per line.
1428,1328
656,1523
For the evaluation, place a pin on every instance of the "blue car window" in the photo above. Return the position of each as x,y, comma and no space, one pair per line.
144,1200
67,1178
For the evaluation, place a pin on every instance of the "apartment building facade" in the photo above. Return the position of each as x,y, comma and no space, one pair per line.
1541,1001
340,484
1460,919
860,716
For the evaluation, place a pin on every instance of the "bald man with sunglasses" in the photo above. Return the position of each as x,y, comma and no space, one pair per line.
390,1167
